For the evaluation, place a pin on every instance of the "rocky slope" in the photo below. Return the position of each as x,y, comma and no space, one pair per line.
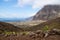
48,12
37,35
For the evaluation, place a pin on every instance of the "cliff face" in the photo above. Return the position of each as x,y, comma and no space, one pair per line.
48,12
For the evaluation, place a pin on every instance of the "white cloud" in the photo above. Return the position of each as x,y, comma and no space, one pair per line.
36,3
22,3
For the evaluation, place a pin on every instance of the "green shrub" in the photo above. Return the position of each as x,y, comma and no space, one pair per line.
45,28
7,32
24,33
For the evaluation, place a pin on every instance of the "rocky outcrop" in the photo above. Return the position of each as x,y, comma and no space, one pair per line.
36,35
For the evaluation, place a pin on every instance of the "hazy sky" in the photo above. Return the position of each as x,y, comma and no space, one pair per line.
22,8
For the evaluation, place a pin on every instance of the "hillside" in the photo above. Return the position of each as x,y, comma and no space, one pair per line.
55,23
8,27
48,12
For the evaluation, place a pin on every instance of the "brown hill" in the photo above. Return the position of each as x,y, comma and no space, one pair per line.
8,27
48,12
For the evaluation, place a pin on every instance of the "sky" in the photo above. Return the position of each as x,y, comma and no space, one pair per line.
23,8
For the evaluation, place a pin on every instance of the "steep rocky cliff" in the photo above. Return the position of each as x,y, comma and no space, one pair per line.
48,12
